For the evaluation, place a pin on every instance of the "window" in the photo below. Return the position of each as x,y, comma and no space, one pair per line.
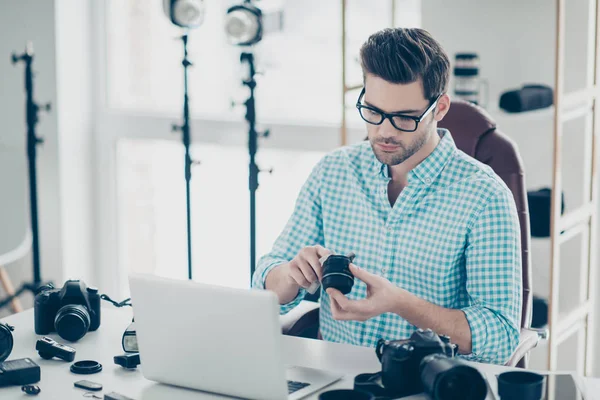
302,70
152,212
298,96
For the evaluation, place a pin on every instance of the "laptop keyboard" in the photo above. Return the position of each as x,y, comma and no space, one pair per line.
294,386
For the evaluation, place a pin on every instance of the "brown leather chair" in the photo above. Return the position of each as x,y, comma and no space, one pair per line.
475,133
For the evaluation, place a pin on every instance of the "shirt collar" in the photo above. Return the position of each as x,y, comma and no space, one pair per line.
429,169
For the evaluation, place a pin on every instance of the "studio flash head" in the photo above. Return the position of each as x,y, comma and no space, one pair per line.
185,13
247,24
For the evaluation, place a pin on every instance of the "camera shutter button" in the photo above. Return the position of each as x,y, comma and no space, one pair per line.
92,290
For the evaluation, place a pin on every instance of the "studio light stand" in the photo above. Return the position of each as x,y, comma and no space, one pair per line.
253,136
32,110
186,140
187,14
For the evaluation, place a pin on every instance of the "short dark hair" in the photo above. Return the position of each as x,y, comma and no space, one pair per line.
402,55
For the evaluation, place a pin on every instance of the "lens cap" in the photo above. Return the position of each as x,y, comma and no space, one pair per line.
6,341
86,367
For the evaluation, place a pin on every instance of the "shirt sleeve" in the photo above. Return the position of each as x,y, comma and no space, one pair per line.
304,228
494,280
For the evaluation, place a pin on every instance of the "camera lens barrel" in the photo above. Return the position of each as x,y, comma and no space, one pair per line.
336,274
72,322
6,341
451,379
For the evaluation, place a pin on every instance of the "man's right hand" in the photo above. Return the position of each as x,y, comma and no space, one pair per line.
302,271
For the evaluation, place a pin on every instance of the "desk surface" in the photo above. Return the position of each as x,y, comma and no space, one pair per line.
102,345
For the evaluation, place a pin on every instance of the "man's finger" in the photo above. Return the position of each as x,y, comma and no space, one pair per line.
322,251
314,262
363,275
298,276
342,301
307,271
341,315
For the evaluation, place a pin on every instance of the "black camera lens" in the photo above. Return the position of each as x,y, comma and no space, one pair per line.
6,341
72,322
451,379
336,273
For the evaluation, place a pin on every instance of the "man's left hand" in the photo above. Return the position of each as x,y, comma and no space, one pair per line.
381,297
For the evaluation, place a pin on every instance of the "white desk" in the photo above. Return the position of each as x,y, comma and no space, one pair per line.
102,345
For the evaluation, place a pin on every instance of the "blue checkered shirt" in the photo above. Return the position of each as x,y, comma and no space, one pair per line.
452,238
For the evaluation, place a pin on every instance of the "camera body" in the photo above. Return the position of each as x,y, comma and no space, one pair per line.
71,311
401,359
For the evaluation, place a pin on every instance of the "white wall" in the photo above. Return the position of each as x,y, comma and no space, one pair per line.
515,41
21,21
60,31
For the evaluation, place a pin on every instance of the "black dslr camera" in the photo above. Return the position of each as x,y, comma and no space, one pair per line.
425,362
71,311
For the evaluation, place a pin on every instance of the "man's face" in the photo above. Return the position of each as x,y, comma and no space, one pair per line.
390,145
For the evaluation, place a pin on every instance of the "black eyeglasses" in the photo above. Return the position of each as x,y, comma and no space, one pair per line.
405,123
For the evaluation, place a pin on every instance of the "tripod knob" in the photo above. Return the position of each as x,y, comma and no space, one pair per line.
269,171
44,107
176,128
266,133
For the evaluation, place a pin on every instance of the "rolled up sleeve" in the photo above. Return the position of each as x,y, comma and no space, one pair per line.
304,228
494,280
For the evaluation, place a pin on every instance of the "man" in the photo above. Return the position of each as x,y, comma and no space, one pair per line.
435,233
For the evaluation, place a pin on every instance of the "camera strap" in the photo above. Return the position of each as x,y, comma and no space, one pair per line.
124,303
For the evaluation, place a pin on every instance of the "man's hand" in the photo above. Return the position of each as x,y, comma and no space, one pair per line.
382,295
286,279
305,268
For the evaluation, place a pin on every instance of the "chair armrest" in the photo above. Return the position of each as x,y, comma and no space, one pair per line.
528,339
303,317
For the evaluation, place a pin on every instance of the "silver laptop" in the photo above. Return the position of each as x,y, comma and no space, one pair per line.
216,339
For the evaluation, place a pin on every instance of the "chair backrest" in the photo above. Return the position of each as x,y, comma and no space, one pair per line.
475,133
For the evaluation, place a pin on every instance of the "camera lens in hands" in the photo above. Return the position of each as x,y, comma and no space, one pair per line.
336,273
72,322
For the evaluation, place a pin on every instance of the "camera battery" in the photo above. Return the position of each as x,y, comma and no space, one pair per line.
19,372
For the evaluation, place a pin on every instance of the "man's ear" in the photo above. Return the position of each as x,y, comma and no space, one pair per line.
442,108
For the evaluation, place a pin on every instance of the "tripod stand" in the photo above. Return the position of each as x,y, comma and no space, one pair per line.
252,148
32,109
186,140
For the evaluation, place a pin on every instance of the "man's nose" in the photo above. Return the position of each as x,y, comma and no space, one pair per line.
387,130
